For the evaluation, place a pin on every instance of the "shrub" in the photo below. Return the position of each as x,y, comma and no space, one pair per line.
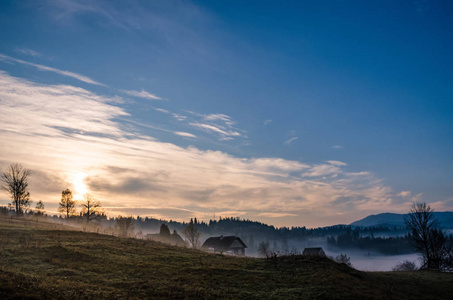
343,259
405,266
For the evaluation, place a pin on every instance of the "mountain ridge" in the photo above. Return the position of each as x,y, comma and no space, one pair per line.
445,219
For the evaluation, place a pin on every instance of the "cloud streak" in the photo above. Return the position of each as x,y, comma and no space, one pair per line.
185,134
290,141
221,125
8,59
226,134
29,52
141,94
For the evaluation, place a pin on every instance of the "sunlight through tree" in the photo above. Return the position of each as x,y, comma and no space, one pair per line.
67,204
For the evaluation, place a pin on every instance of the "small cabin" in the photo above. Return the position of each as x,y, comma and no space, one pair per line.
314,252
225,244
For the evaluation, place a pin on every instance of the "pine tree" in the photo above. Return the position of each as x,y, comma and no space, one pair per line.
67,204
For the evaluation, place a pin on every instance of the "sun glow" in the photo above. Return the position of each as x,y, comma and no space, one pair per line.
79,186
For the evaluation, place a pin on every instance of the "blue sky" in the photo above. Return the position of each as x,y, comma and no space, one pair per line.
292,113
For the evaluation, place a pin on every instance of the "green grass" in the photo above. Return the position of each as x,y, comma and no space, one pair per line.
55,262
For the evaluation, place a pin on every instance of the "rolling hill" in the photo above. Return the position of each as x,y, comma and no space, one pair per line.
48,261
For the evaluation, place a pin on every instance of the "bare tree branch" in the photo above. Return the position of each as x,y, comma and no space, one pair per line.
14,180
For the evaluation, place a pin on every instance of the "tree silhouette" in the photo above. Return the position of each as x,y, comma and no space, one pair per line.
343,259
263,249
428,239
164,231
67,205
90,206
124,226
39,208
405,266
14,180
192,234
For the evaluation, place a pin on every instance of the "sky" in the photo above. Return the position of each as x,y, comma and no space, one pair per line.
292,113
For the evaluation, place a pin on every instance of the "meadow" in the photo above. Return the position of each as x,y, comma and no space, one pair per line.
41,260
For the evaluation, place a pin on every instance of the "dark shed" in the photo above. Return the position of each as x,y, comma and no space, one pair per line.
232,244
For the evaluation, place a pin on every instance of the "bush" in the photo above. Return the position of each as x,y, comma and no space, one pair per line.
343,259
405,266
263,249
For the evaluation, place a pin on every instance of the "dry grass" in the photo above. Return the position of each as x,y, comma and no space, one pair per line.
51,261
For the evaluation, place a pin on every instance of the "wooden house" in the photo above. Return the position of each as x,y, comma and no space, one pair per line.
225,244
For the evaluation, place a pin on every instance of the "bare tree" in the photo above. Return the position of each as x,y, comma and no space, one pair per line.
343,259
67,204
39,208
264,249
124,226
405,266
428,240
90,206
192,234
14,180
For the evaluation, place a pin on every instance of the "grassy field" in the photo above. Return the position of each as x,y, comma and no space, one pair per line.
46,261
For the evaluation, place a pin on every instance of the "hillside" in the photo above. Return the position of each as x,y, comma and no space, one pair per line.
381,219
385,219
47,261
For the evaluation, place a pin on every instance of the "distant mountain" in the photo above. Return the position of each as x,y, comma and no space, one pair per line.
445,218
381,219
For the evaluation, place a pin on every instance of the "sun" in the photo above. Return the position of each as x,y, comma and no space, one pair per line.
79,186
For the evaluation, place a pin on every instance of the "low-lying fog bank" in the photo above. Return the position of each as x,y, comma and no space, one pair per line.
376,262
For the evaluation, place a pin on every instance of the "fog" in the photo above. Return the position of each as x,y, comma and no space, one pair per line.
361,260
365,261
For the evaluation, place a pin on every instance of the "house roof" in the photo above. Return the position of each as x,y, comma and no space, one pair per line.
224,243
314,251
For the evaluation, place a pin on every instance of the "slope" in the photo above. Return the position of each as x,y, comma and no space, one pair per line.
51,262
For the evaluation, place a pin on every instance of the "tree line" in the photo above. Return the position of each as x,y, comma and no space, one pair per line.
14,180
91,207
353,240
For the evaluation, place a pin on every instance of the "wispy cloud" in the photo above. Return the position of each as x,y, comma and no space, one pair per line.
179,117
276,215
185,134
211,128
267,122
176,116
289,141
177,24
82,78
141,94
337,163
67,144
219,124
269,164
324,170
162,110
337,147
216,117
404,194
28,52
